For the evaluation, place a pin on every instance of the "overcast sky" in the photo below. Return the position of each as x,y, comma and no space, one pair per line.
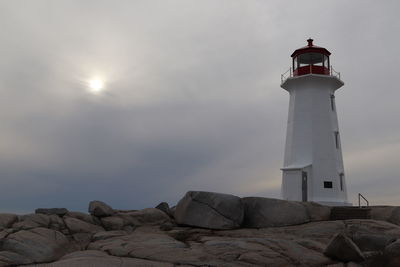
192,98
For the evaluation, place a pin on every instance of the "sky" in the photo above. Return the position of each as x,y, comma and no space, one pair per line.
191,99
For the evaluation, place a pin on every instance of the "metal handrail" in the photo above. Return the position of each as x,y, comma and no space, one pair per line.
335,73
359,200
285,75
289,73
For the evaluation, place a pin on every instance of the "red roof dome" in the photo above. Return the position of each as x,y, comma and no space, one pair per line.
310,48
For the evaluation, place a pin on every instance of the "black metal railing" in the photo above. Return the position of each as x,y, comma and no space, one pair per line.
359,200
290,73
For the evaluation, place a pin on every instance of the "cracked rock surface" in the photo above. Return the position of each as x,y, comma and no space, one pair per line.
151,237
210,210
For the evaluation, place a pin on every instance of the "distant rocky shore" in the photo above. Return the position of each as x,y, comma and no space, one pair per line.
203,229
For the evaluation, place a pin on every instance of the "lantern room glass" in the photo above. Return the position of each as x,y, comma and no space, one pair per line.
307,63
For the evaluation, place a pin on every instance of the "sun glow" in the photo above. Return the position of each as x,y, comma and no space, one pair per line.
96,85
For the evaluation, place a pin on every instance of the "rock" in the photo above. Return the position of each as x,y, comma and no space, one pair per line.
100,209
52,211
84,217
56,223
372,242
107,235
145,242
381,212
340,264
317,212
151,246
210,210
353,264
267,212
130,220
150,216
81,240
172,210
168,226
3,234
163,206
391,255
78,226
37,245
12,258
343,248
393,249
263,260
31,221
113,223
7,219
395,216
101,259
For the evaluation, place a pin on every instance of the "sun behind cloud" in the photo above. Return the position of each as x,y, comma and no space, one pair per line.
96,85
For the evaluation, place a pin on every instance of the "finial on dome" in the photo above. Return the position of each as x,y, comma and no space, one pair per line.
310,42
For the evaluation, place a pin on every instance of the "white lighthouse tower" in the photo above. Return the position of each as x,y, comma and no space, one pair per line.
313,165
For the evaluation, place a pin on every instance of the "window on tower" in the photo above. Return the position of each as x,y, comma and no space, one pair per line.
341,175
328,184
333,102
337,139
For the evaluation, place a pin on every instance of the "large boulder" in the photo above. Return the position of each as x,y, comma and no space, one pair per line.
30,221
113,223
372,242
100,209
395,216
56,223
35,245
210,210
83,217
149,216
108,234
165,208
262,212
317,212
382,213
392,254
344,249
7,219
77,226
52,211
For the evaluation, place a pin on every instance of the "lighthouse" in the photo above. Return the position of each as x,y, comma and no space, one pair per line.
313,164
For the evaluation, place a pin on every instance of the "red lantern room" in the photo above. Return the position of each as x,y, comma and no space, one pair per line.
311,59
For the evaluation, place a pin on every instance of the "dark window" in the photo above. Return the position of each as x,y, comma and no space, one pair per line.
337,139
328,184
333,102
341,175
311,59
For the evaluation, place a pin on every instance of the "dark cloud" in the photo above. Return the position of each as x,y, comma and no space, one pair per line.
192,101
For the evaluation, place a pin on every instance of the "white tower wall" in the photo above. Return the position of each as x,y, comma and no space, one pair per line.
313,157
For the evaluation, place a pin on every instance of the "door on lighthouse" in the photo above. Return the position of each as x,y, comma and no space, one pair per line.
304,185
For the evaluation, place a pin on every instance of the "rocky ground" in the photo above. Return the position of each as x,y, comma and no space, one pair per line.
204,229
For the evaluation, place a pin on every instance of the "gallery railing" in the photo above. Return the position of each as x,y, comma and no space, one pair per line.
289,73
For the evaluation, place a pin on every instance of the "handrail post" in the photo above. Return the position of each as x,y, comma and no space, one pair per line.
359,200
